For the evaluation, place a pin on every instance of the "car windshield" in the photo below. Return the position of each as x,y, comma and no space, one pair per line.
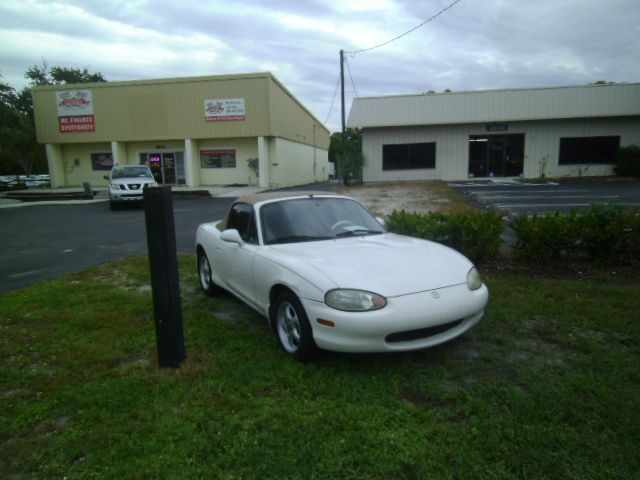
315,218
130,172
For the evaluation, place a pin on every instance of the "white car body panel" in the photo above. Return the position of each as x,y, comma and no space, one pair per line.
424,284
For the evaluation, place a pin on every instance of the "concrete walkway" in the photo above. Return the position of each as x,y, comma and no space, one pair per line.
102,195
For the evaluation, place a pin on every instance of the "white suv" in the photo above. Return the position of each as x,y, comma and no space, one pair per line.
127,183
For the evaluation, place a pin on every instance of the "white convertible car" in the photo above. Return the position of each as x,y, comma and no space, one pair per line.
327,275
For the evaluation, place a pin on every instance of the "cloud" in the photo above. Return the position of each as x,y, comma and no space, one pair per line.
474,45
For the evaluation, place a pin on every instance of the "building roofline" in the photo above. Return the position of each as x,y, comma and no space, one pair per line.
154,81
175,80
522,89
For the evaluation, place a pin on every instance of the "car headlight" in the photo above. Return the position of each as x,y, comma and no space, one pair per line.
474,281
115,186
354,300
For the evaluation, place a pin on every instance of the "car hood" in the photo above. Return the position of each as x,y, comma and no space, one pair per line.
387,264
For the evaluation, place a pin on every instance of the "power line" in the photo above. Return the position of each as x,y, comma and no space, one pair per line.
353,84
333,100
408,31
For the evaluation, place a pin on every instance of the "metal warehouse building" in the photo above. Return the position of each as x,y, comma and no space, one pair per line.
215,130
562,131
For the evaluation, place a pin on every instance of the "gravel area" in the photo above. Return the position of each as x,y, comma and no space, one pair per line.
422,197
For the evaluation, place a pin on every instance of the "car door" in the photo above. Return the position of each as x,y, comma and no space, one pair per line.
236,261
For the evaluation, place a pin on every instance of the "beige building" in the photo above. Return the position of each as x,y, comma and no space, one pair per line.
561,131
218,130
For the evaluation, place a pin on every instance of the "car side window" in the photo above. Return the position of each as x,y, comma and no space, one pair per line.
242,219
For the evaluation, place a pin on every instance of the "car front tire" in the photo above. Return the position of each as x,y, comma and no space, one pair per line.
293,329
204,276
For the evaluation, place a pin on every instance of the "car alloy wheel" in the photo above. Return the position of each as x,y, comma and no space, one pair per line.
293,329
204,274
288,327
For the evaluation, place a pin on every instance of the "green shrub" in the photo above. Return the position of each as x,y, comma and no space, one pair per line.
628,161
605,232
546,237
476,234
610,233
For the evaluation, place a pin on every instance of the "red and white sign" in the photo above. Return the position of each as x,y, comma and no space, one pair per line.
77,123
75,111
224,110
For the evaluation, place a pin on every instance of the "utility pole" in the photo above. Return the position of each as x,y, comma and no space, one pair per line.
344,131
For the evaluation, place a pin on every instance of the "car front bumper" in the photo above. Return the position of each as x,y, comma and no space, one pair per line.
124,196
408,322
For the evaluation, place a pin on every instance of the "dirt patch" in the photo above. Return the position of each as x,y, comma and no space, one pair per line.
421,197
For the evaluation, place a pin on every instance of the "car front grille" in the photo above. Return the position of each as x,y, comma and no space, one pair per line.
419,333
134,186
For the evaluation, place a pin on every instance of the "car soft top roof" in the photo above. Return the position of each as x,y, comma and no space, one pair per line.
265,196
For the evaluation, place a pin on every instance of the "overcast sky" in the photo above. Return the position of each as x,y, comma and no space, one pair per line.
477,44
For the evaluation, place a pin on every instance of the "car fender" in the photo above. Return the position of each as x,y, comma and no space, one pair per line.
269,272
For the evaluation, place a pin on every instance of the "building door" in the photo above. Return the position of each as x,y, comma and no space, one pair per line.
496,155
167,167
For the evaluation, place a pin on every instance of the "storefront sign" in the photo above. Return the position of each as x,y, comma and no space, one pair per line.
84,123
75,111
224,110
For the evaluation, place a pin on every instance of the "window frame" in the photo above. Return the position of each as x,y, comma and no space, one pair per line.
249,232
94,157
217,155
566,149
431,160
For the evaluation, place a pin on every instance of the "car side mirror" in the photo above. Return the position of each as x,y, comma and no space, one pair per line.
231,236
106,177
381,221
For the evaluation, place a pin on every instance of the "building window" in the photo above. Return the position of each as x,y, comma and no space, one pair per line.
409,156
588,150
225,158
101,161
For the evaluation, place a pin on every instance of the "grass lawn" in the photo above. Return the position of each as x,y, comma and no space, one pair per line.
546,386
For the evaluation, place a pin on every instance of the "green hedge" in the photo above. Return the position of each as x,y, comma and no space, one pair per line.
605,233
476,234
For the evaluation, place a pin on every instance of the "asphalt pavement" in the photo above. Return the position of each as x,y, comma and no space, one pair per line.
516,198
41,242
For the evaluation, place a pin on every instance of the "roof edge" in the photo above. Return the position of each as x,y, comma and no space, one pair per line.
155,81
521,89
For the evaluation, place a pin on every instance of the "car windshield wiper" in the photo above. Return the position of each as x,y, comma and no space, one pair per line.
357,233
297,238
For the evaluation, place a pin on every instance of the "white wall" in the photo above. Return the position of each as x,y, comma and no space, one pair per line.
295,163
542,140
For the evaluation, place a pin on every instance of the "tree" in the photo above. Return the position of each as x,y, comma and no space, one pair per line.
11,128
43,75
351,160
19,150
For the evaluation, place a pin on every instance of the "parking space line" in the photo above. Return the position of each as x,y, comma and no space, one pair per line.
24,274
505,197
556,190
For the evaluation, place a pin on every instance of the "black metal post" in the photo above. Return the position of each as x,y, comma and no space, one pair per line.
163,264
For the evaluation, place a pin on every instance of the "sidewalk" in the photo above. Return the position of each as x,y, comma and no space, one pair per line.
101,194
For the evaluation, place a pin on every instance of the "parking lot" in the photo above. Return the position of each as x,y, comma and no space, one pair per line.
516,198
40,242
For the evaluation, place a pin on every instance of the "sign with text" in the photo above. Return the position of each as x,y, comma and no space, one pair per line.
497,127
77,123
224,110
75,111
